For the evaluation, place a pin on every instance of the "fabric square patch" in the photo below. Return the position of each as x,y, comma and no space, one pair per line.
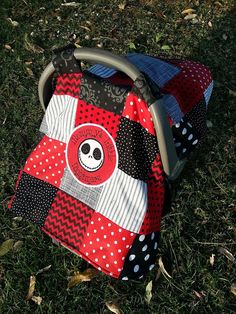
106,245
141,257
124,201
155,188
87,113
198,118
208,92
137,149
102,94
68,219
59,119
185,137
137,110
172,107
87,195
33,199
47,161
68,84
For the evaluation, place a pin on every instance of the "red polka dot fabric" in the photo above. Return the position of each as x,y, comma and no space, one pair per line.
137,110
106,245
47,162
189,85
87,113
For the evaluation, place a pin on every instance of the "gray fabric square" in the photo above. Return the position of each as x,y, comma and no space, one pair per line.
87,195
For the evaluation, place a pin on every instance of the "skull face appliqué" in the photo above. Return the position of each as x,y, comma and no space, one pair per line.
91,155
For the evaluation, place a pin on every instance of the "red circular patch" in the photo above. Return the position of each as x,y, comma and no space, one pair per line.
91,154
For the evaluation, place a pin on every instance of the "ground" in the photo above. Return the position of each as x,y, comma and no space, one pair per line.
201,221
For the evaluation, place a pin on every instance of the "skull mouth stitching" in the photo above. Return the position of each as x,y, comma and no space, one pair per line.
91,155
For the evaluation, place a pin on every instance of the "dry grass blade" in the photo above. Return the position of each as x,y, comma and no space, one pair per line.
70,4
78,277
148,295
43,270
162,268
112,306
31,287
32,47
199,295
6,246
212,259
122,5
233,288
188,11
227,254
38,300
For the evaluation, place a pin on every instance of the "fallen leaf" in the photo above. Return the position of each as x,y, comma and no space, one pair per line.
162,268
17,246
158,274
227,254
188,11
231,92
190,16
8,47
43,270
148,295
233,288
38,300
6,246
30,72
212,259
13,23
209,24
32,47
78,277
165,47
122,5
28,62
31,287
112,306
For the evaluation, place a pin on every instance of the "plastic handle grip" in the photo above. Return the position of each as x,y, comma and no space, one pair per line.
171,164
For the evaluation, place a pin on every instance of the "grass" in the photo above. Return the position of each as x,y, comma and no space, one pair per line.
203,213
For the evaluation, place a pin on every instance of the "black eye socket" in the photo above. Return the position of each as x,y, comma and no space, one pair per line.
97,154
85,148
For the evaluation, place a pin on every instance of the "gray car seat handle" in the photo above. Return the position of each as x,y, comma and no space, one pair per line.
171,164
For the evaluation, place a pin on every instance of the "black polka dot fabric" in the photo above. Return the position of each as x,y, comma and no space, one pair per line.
137,149
185,136
102,94
33,199
141,257
198,118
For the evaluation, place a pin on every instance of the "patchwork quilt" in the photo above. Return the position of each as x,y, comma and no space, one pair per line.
95,181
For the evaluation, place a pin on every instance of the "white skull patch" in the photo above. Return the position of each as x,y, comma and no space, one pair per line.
91,155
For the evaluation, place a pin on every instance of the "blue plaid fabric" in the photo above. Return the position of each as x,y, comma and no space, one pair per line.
208,92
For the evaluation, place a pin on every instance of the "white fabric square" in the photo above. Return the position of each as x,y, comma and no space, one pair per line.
59,119
123,200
